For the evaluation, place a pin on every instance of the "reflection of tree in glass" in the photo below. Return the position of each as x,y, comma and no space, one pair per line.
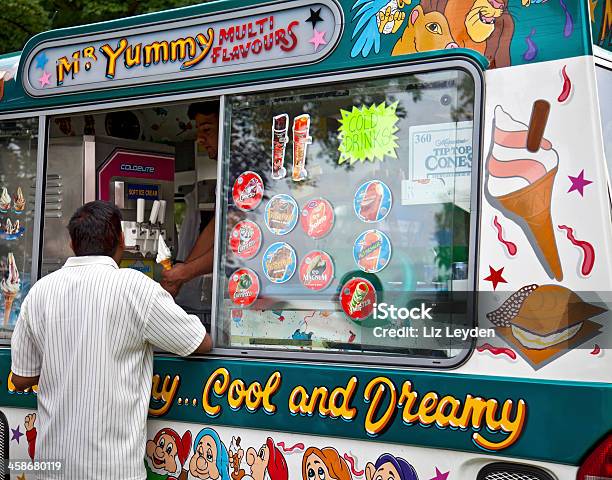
464,109
452,235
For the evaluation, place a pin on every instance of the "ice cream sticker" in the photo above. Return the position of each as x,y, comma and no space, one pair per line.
372,251
19,202
316,270
301,139
281,214
317,218
245,239
10,286
279,262
521,170
357,298
280,125
5,201
368,133
248,191
243,287
372,201
11,230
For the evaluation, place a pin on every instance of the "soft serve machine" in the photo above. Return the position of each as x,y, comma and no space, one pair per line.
138,177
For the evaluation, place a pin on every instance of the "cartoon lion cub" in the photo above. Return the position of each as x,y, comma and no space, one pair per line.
424,31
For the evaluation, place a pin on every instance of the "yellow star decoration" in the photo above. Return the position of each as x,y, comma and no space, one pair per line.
21,477
592,7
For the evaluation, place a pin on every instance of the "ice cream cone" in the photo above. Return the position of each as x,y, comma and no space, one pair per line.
532,205
8,305
166,264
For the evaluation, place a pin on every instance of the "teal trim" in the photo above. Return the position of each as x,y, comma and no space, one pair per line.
556,410
555,32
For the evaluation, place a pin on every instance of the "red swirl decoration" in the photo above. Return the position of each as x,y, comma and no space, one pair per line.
588,252
567,86
486,347
511,247
297,446
351,461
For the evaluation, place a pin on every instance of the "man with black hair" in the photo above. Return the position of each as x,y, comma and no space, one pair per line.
200,260
85,335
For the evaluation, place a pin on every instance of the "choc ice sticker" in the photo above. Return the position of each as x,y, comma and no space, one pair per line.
372,251
281,214
301,140
279,262
372,202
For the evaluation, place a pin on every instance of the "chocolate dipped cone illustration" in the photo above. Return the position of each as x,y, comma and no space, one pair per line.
521,170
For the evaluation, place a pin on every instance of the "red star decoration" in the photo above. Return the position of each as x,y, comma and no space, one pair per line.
495,277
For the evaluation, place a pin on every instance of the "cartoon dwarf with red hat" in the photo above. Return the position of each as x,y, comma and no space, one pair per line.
266,464
167,453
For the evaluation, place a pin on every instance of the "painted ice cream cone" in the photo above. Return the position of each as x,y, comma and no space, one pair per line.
10,287
5,200
521,169
9,298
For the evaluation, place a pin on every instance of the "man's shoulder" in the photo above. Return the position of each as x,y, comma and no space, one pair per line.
135,278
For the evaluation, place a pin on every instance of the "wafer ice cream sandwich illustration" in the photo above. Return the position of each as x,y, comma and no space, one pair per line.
543,316
164,256
521,169
10,287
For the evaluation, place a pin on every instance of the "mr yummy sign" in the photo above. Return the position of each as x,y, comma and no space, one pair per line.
270,36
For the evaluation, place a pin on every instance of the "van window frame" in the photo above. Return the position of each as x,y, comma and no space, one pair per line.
466,64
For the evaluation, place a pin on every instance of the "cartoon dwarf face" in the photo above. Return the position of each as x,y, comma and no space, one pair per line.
388,467
203,463
163,453
258,461
268,459
324,464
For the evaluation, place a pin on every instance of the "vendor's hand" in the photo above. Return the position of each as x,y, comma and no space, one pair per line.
173,279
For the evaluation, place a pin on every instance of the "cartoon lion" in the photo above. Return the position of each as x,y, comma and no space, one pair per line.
482,25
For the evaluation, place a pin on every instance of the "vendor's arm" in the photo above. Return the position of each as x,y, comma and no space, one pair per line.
204,243
199,262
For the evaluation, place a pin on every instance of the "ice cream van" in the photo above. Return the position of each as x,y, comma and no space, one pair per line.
408,207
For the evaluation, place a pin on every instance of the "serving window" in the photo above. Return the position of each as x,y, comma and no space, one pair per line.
347,217
18,149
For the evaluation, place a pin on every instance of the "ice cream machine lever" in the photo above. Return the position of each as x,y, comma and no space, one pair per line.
143,236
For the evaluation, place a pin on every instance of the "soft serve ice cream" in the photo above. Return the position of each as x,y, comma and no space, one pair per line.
10,287
163,254
5,200
520,181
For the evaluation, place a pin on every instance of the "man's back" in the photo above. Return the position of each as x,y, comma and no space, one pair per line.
88,330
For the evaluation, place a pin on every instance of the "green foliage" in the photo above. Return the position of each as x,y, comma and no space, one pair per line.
21,19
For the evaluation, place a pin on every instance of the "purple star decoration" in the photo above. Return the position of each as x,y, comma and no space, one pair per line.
16,434
440,475
578,183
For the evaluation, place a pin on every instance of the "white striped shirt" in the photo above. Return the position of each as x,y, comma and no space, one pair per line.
88,330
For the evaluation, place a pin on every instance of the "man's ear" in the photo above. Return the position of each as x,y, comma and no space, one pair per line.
370,470
72,247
